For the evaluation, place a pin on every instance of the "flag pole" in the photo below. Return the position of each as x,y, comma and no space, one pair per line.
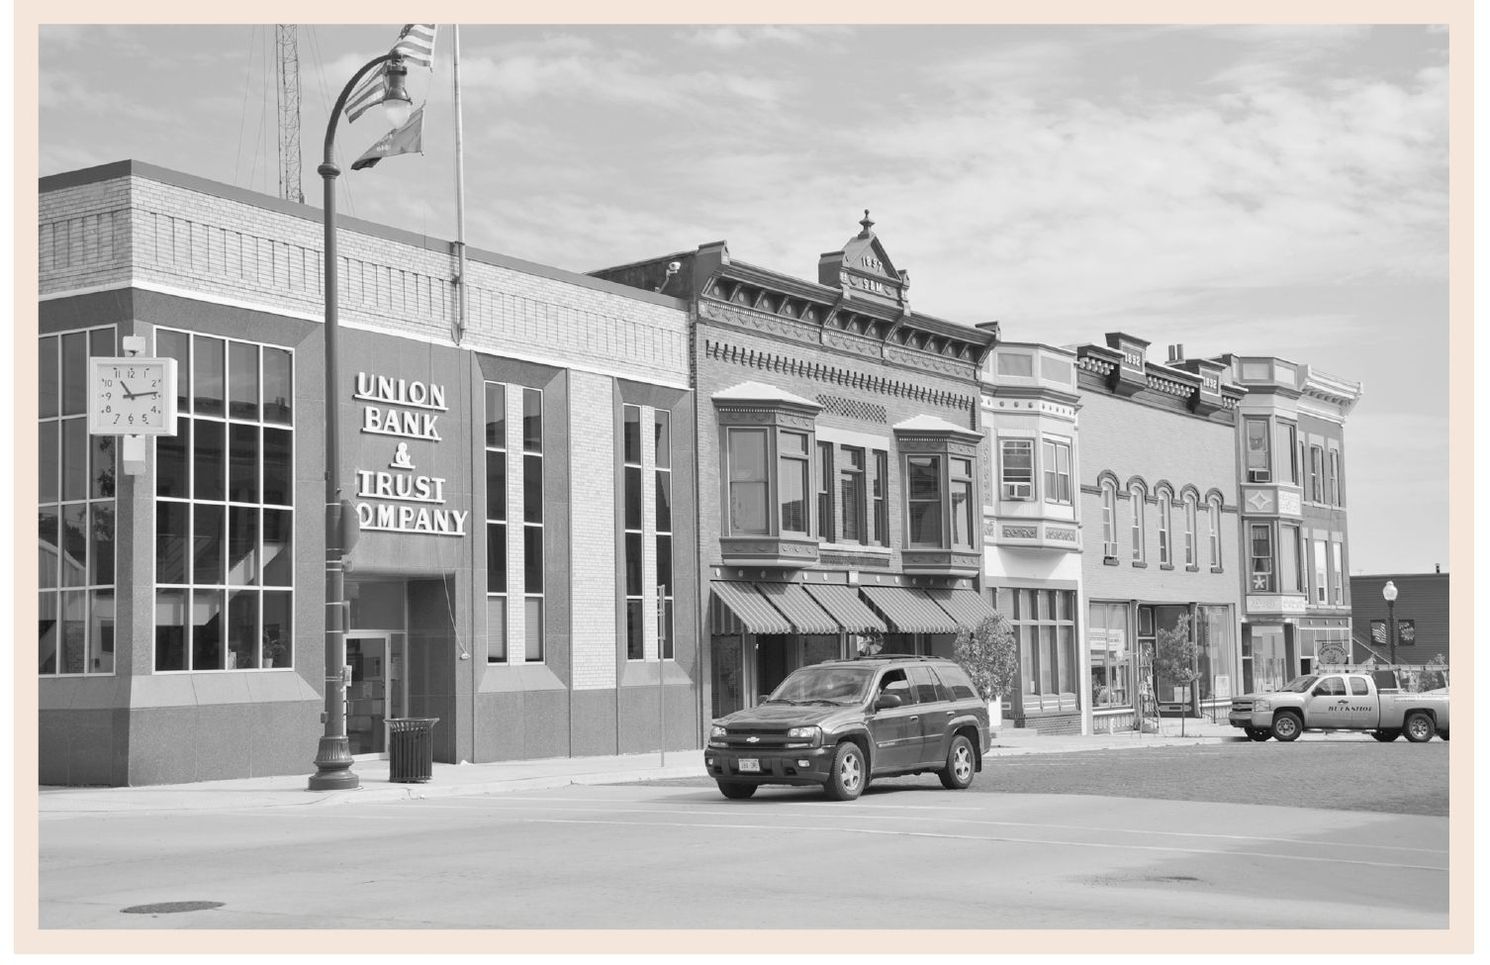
460,197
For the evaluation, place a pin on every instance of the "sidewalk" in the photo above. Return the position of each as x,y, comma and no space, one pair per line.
452,780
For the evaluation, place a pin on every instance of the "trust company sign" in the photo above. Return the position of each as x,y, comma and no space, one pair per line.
396,497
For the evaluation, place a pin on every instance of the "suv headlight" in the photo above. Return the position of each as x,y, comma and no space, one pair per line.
804,733
717,732
1262,705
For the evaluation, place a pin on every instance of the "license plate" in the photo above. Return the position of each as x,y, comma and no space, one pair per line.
750,765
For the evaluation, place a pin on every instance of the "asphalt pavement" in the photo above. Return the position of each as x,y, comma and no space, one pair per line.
451,780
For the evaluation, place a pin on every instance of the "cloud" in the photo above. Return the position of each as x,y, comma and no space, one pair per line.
732,38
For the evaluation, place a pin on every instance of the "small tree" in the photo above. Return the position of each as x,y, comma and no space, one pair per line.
989,655
1176,656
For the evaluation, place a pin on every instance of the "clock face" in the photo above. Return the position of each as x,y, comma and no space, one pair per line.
132,396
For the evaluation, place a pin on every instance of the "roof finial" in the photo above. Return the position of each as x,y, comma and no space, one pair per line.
866,223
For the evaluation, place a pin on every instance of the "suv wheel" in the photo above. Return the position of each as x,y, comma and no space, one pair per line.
1258,734
1287,726
958,773
846,779
735,790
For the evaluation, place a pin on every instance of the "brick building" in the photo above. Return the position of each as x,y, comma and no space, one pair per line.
1291,450
840,462
522,477
1159,505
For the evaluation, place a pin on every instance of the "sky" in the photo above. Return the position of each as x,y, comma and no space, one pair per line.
1263,190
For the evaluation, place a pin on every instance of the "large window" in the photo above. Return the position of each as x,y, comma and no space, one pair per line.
75,511
880,484
1260,538
1135,497
663,473
532,525
1056,457
795,481
851,494
631,457
224,516
749,482
1258,458
496,522
1166,543
1213,507
1045,629
924,500
1112,671
1217,658
1290,573
1321,575
1109,520
1017,469
1190,547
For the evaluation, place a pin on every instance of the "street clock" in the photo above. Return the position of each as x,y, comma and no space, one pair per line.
131,396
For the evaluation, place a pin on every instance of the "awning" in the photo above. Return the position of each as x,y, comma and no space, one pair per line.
967,607
909,611
749,607
843,602
798,607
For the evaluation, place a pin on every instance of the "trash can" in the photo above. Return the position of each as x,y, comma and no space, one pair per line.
411,749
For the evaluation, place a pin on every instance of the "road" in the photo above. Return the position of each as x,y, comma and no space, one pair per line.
631,856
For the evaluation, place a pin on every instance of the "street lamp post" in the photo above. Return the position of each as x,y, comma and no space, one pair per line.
333,755
1389,593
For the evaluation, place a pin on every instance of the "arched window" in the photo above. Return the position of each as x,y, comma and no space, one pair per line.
1109,519
1214,507
1136,496
1166,546
1190,547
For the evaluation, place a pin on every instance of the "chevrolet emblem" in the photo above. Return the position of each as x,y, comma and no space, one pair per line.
751,740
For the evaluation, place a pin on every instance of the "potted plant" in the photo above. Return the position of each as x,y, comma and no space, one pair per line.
990,656
272,649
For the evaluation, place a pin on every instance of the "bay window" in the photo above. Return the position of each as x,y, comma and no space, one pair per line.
1260,538
1258,455
941,507
749,482
1056,457
795,476
924,500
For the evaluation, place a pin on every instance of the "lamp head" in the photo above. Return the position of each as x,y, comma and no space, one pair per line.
396,103
1389,592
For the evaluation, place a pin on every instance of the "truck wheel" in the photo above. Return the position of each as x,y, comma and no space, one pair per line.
1258,734
846,778
736,791
1418,727
1386,736
1287,726
958,773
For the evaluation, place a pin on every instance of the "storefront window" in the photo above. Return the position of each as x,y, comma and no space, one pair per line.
1111,655
662,435
75,512
631,455
1217,678
224,514
1045,627
496,522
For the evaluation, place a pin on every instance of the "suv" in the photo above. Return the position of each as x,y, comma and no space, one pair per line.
842,722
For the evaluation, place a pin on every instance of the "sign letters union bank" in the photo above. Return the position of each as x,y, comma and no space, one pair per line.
397,498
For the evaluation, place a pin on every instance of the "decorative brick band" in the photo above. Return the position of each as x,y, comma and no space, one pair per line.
853,408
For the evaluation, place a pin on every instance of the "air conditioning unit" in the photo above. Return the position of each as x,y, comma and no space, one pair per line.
1021,490
1259,476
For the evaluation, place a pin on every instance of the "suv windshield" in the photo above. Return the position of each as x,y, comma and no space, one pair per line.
838,685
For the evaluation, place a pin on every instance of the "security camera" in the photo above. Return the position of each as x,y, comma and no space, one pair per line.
673,266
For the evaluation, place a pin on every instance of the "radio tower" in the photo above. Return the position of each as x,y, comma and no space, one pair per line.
287,51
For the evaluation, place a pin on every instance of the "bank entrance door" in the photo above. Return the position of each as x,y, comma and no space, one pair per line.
378,689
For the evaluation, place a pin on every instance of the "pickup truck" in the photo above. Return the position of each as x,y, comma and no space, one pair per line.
1342,701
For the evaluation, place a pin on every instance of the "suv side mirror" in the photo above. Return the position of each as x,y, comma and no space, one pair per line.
884,701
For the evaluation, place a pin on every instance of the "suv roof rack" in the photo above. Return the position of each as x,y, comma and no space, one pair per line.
897,656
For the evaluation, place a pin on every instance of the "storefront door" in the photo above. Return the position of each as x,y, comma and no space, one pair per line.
378,689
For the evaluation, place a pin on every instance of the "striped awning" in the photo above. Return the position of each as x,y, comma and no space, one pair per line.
843,602
967,607
909,611
749,607
798,607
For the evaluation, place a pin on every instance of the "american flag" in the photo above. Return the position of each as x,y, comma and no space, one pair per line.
416,44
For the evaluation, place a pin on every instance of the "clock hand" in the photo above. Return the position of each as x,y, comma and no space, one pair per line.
127,394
